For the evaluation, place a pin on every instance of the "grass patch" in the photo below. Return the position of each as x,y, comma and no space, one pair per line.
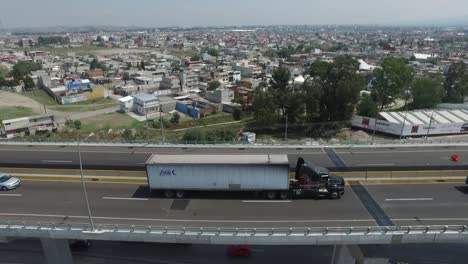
41,96
106,122
179,52
89,105
15,112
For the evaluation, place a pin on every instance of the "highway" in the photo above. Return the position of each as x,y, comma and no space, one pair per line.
338,159
126,203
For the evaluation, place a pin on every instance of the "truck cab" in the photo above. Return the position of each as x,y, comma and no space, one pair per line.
316,180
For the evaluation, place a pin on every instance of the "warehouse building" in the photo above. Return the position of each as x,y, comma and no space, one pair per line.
416,123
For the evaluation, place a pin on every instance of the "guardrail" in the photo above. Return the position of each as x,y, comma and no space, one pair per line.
222,235
258,143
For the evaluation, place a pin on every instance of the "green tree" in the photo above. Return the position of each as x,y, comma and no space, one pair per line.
94,64
237,114
312,95
367,107
280,88
195,57
456,83
175,119
126,76
23,68
28,83
194,135
427,93
265,108
340,86
213,52
129,65
213,85
392,80
76,66
142,64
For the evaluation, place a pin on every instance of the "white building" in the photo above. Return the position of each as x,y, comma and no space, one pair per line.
189,81
416,123
220,96
145,104
126,104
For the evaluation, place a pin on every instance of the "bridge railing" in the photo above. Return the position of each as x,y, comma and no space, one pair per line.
227,231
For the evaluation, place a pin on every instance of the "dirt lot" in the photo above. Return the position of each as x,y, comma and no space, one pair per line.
8,99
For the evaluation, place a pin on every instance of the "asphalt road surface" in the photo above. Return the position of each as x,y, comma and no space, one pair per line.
341,159
403,204
29,251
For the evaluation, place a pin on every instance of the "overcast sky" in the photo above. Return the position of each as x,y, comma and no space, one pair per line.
38,13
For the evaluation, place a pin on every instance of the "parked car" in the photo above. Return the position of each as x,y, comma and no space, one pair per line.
239,251
8,182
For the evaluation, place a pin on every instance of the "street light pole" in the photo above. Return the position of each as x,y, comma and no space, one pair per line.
429,128
162,124
85,193
286,129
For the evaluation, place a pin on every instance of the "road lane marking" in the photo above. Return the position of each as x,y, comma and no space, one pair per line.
266,201
11,194
187,220
56,161
409,199
125,198
376,164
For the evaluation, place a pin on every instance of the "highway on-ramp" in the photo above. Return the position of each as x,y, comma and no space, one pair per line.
132,204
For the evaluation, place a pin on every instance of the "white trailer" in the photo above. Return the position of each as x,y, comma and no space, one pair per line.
175,174
265,173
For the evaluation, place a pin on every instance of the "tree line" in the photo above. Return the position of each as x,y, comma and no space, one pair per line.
332,91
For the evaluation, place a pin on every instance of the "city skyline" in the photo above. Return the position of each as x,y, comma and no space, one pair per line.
146,13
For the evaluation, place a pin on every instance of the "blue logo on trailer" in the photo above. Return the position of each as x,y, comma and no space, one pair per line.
166,172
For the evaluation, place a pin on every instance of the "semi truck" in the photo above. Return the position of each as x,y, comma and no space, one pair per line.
268,174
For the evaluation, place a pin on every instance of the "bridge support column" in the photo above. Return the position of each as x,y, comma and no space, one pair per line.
345,254
56,251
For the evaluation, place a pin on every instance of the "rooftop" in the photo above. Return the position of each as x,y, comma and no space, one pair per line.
254,159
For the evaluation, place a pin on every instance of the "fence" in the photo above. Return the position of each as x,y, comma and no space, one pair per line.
222,235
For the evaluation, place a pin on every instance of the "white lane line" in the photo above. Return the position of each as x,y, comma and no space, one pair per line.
376,164
125,198
190,220
410,199
11,194
56,161
266,201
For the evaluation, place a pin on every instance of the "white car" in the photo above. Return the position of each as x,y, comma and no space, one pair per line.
8,182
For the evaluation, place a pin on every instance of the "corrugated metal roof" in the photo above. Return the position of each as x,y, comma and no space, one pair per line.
211,159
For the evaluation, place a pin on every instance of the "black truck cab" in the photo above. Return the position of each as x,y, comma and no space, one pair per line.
317,180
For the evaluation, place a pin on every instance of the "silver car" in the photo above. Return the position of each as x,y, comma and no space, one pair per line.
8,182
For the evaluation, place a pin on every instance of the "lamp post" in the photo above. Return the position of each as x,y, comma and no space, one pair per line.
91,222
429,128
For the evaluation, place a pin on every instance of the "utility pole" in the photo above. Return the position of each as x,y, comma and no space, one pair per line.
406,113
286,129
162,123
429,128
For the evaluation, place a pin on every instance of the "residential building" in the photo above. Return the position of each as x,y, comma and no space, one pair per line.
24,126
220,96
189,81
171,83
145,104
126,104
247,69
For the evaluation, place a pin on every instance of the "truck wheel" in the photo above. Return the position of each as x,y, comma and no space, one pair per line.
168,194
335,195
180,194
284,195
271,195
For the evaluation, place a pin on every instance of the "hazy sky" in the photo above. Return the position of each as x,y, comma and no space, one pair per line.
29,13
